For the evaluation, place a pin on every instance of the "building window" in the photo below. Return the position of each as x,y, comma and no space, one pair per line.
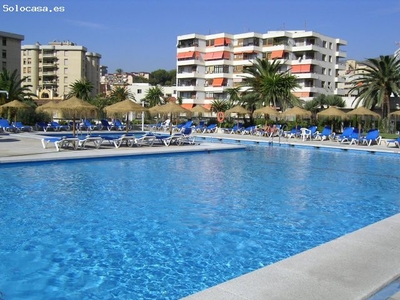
330,72
65,79
330,45
268,42
24,69
65,53
4,65
323,57
221,69
66,71
324,44
324,71
4,41
29,61
29,70
66,62
210,43
330,58
139,91
3,54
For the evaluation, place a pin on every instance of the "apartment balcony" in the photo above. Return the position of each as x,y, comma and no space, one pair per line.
187,88
277,47
308,89
303,61
187,74
308,75
302,47
340,92
341,53
48,74
49,64
188,62
248,49
340,67
48,54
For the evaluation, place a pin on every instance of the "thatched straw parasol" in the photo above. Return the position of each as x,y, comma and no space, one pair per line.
362,112
15,104
170,108
332,113
124,107
76,106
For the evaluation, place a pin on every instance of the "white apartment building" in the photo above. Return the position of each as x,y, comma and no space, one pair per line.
52,68
139,90
207,65
10,49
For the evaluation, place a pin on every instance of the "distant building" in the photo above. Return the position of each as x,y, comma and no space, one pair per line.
139,90
108,81
10,49
52,68
208,65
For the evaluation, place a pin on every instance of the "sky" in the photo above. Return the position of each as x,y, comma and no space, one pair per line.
141,35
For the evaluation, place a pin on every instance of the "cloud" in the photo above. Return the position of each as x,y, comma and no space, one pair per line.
90,25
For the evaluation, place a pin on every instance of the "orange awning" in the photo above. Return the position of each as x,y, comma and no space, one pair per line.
208,56
218,81
187,106
277,54
227,41
306,68
189,54
301,94
208,106
301,69
217,55
219,42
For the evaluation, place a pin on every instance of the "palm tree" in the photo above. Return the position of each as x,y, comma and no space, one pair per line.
81,89
154,96
121,93
218,105
380,78
335,100
12,84
269,84
322,101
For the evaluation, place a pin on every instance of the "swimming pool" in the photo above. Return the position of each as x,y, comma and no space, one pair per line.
163,227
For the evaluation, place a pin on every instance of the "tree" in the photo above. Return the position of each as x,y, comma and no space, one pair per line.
379,79
121,93
160,77
12,84
219,105
269,84
323,101
154,96
81,89
119,71
101,101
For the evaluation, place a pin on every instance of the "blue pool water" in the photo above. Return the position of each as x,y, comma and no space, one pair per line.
163,227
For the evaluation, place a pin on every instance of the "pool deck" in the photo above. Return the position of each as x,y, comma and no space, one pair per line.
354,266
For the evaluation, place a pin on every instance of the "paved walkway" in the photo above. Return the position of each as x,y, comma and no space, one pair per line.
354,266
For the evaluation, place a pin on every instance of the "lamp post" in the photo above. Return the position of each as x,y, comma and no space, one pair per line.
143,103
